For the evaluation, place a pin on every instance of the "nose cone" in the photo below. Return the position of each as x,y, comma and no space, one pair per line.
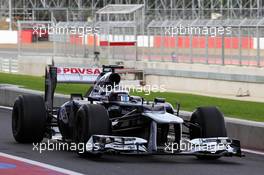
163,117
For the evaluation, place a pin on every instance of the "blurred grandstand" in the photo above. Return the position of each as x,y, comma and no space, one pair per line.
80,10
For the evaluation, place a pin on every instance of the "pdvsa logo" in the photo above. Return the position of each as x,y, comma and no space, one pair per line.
81,71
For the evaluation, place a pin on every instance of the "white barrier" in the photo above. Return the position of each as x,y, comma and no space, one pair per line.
11,37
145,41
9,65
261,43
8,37
142,40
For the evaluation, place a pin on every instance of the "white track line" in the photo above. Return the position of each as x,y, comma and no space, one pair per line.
245,150
54,168
253,152
61,170
5,107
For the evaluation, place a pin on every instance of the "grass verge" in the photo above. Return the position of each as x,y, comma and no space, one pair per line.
232,108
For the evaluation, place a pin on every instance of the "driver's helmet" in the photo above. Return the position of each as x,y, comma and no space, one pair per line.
119,96
123,97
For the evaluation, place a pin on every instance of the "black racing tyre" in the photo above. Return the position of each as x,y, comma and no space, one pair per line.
29,119
91,119
211,124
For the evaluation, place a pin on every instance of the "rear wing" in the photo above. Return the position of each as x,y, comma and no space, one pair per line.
111,68
54,75
77,75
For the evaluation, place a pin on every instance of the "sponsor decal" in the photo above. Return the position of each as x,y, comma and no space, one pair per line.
77,74
77,70
63,115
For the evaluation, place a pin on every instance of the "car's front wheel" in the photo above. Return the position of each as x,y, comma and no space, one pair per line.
91,119
208,122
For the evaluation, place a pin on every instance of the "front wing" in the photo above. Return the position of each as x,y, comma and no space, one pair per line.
219,146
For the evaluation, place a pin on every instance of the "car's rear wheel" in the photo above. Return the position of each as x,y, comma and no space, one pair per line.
91,119
208,122
29,119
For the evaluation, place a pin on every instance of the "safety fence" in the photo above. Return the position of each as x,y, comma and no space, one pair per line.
240,43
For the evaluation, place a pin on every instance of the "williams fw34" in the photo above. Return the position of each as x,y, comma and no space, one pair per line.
107,119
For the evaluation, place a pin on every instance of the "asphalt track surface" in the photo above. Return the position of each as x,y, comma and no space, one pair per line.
252,164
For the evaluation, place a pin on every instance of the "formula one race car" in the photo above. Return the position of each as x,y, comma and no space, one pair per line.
109,120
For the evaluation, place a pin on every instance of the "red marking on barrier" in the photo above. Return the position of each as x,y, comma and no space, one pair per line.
122,43
30,35
76,39
247,43
92,39
104,43
180,42
218,42
26,36
169,42
157,41
186,42
20,167
200,42
231,43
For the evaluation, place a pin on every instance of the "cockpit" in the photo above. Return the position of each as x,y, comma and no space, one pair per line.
119,96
